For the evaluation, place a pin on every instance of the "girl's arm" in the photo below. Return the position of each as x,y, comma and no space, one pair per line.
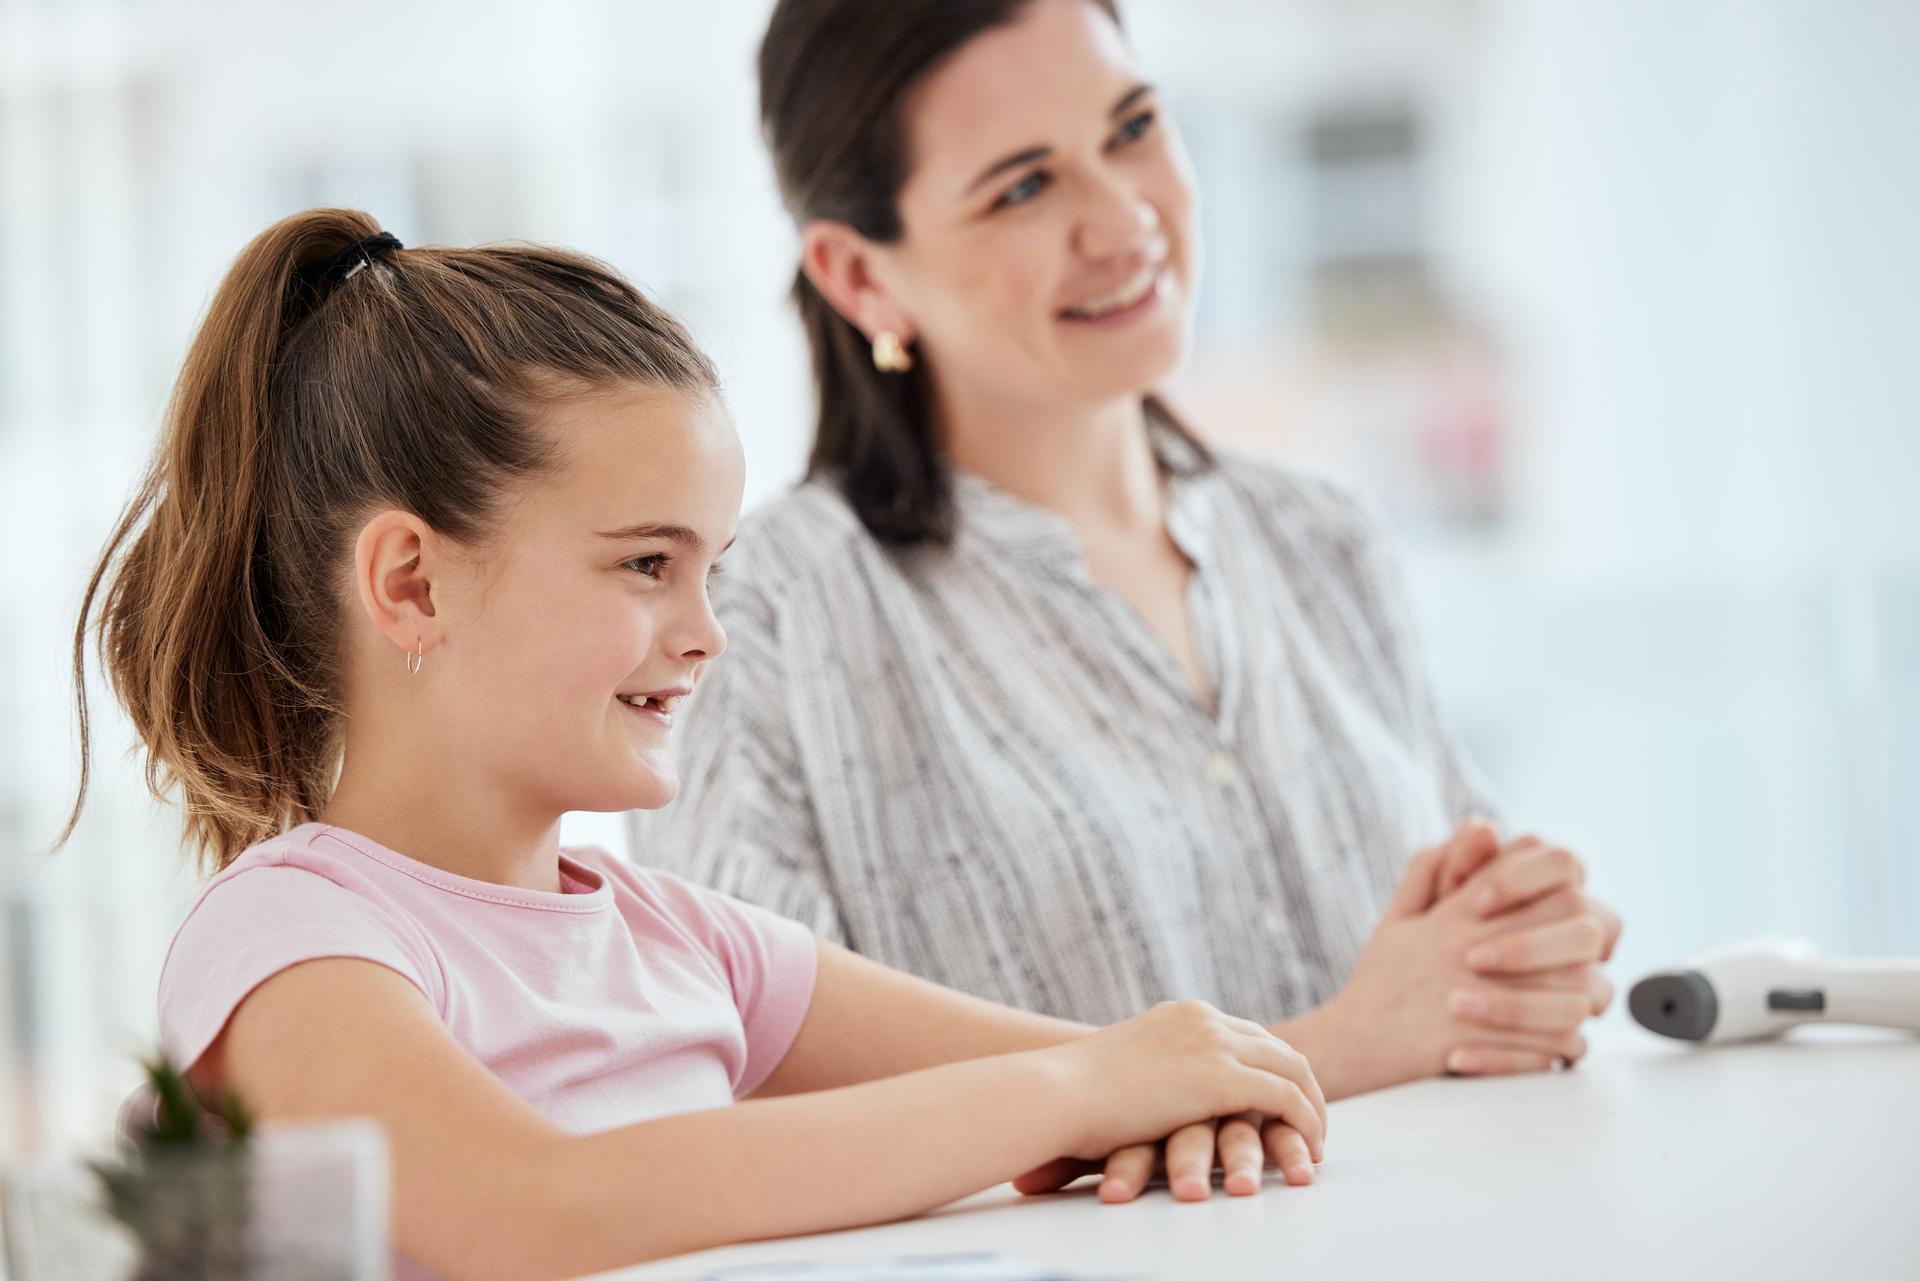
868,1022
484,1186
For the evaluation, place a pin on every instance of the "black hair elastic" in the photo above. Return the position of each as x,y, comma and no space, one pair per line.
361,253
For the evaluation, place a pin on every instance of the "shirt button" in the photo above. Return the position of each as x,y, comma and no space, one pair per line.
1222,768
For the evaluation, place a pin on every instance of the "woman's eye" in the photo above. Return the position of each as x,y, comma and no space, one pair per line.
1021,192
1134,129
651,566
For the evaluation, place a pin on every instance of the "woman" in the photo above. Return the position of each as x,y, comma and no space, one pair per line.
1047,700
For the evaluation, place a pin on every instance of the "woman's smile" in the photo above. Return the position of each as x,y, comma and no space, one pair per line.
1133,299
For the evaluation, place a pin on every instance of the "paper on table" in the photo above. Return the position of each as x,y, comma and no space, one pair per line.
932,1267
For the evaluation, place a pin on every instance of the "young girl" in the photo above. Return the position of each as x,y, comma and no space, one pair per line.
506,469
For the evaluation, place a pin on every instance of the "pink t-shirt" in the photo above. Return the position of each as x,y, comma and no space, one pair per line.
632,994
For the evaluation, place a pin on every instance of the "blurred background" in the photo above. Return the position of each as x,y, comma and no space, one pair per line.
1614,303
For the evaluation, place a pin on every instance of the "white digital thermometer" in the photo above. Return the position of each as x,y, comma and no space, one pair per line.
1763,987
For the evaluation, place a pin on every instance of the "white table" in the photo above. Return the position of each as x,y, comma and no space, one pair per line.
1794,1159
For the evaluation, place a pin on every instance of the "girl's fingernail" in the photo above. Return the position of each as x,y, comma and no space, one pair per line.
1191,1189
1469,1003
1485,897
1300,1173
1462,1061
1483,956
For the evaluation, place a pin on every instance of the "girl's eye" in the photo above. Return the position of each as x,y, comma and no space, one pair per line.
1134,129
1021,192
651,566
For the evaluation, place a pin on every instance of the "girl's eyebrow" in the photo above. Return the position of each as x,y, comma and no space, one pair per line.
672,533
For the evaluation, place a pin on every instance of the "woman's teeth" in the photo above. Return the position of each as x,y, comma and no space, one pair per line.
1120,299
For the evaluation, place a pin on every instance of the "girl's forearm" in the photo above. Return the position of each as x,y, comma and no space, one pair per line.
807,1163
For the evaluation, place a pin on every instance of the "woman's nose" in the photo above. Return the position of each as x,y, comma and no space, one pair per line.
1118,219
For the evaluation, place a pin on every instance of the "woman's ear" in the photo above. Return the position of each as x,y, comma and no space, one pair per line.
842,265
393,571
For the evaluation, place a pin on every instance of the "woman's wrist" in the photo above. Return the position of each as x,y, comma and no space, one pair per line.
1335,1047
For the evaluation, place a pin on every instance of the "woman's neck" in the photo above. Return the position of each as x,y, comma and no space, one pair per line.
433,813
1094,466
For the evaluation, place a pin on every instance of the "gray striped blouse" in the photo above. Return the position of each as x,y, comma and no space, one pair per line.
976,764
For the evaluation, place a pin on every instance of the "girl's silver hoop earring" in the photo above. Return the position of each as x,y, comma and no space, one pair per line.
417,659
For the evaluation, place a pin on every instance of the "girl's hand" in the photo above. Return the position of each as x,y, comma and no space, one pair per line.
1182,1063
1242,1148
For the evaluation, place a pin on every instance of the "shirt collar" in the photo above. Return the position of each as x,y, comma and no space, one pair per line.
990,518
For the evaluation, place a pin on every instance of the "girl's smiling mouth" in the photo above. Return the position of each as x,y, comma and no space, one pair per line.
657,706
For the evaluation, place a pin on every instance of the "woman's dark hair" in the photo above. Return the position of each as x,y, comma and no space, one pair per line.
334,375
835,78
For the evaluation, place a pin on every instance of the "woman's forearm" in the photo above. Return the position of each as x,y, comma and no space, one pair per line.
1327,1037
813,1162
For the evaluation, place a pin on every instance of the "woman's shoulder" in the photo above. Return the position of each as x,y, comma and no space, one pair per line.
792,543
1299,498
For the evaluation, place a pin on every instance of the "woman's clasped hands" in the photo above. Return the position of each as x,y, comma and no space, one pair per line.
1486,962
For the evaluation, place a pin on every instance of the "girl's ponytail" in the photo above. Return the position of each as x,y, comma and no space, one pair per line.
226,720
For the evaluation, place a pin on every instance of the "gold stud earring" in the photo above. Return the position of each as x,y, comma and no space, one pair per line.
890,355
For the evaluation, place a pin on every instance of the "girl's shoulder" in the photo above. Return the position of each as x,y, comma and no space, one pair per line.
288,899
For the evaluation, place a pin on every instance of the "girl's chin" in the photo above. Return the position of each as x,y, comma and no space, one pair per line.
645,789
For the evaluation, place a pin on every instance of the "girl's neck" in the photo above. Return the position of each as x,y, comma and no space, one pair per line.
440,818
1095,465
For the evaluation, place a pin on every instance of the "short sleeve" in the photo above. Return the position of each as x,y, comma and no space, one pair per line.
253,923
743,821
769,961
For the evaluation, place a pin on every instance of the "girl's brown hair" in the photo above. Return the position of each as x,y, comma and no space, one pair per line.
836,77
311,397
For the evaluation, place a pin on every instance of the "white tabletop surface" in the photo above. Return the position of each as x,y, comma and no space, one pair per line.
1791,1159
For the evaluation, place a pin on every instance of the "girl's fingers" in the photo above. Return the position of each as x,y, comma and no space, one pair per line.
1287,1148
1271,1054
1528,872
1576,940
1276,1096
1052,1176
1522,1009
1127,1172
1242,1158
1190,1161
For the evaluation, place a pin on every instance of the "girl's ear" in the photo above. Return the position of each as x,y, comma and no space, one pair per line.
393,568
841,264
